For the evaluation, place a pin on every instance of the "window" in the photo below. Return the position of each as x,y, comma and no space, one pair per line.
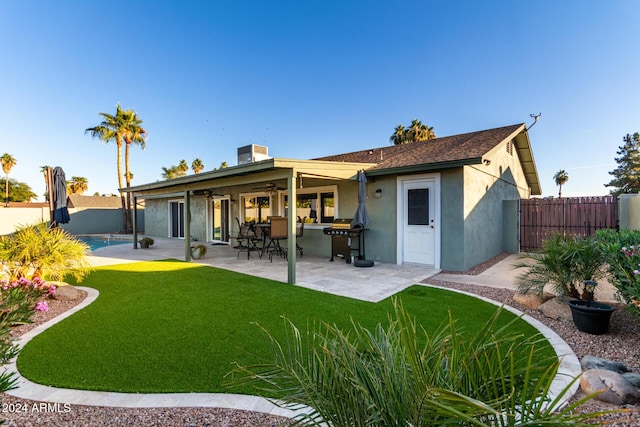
418,206
317,205
256,208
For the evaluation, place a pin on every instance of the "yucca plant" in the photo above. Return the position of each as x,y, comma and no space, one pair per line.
402,376
41,252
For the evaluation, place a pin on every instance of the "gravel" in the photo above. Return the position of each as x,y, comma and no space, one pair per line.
620,344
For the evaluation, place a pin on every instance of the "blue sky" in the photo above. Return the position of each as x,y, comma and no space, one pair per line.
314,78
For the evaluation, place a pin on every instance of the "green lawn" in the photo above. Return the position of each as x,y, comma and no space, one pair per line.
170,326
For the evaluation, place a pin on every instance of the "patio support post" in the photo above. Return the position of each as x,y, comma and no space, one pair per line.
135,222
187,226
291,227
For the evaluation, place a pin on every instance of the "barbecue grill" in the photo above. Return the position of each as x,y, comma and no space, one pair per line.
343,238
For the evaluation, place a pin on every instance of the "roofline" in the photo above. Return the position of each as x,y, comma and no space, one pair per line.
425,167
340,170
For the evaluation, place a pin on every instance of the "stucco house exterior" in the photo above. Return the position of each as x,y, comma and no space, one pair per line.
451,202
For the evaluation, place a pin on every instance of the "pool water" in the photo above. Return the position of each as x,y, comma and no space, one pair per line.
101,242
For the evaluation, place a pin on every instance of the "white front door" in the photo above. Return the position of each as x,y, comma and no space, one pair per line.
419,236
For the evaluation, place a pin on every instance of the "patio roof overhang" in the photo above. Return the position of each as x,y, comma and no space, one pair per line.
250,174
272,169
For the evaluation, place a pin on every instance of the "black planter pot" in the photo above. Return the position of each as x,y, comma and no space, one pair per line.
591,317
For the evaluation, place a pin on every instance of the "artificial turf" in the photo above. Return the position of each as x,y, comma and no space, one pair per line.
171,326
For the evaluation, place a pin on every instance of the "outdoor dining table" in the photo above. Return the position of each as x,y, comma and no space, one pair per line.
265,231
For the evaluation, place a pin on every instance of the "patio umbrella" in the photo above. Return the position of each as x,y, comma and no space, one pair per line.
60,211
361,216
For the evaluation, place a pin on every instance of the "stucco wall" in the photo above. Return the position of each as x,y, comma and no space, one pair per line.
98,220
452,255
380,237
629,211
83,220
486,188
10,218
156,217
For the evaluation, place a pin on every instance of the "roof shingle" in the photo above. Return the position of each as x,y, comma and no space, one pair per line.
454,148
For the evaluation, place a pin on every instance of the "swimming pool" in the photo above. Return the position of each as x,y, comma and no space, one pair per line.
96,242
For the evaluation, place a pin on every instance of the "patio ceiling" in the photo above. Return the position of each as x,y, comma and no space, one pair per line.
251,174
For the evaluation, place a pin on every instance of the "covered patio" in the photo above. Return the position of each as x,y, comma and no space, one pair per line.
285,175
370,284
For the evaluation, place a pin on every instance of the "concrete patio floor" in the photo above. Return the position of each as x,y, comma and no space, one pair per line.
339,278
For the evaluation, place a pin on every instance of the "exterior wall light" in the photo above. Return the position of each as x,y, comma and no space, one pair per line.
378,193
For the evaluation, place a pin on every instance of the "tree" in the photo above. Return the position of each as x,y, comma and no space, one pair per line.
627,174
18,191
399,136
133,133
561,177
197,166
112,129
170,172
183,167
78,185
8,162
222,166
416,132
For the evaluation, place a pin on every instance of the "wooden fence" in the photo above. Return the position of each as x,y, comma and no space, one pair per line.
577,216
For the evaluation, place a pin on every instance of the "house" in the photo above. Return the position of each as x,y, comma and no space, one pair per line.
451,202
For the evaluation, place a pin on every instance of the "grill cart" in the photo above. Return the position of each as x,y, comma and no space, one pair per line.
346,240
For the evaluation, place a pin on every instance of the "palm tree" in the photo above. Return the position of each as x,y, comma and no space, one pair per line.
134,133
8,162
182,167
112,129
399,136
170,172
561,177
197,166
417,131
78,185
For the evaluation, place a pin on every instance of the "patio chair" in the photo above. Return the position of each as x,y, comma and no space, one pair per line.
278,233
239,237
300,233
248,235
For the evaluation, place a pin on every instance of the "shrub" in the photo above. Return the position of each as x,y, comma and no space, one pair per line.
564,262
401,376
18,300
38,251
621,252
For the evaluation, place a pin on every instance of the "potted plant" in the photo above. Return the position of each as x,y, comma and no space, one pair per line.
571,266
198,251
145,242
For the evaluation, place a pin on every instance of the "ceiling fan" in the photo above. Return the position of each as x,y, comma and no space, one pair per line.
270,187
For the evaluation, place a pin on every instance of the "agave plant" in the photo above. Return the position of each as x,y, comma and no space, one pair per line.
41,252
402,376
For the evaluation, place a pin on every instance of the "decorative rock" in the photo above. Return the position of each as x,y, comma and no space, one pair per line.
66,293
593,362
617,389
528,300
557,309
531,300
633,378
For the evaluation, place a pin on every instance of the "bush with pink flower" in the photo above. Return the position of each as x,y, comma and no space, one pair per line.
19,300
621,252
